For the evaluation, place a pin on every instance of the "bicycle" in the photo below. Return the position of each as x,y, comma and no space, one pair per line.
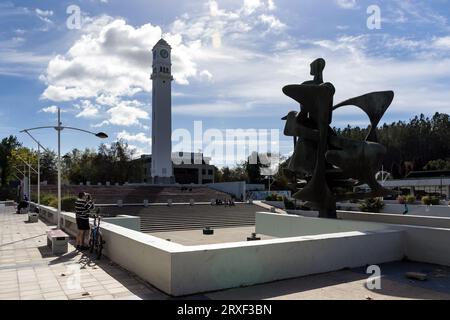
96,241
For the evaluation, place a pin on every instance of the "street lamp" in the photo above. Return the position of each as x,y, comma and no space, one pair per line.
29,175
59,128
38,166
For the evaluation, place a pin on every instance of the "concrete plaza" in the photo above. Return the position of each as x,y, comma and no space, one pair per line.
221,235
29,271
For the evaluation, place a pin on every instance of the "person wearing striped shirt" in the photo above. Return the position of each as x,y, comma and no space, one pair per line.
83,205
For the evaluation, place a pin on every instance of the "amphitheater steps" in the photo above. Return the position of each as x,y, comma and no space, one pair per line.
185,217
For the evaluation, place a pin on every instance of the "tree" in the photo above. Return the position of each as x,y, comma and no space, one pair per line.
49,170
253,168
439,164
410,145
6,148
19,156
110,163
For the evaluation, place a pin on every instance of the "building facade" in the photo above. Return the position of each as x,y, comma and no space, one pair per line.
196,170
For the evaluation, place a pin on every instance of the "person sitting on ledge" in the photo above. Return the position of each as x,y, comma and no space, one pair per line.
22,204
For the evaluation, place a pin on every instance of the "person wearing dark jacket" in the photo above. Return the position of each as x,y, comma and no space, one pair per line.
82,207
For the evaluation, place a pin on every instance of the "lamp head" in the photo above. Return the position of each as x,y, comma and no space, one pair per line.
101,135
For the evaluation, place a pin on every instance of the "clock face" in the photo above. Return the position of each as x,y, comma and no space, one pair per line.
164,53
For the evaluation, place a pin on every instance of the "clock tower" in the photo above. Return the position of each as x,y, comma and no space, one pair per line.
161,170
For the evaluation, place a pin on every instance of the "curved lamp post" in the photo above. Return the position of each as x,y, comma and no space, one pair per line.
59,128
38,167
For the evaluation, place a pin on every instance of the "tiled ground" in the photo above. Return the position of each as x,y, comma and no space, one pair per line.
350,285
29,271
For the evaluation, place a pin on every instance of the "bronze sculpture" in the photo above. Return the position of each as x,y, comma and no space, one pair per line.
331,163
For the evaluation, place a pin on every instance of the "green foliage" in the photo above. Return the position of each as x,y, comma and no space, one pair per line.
68,203
7,194
372,205
227,174
7,147
439,164
416,142
49,169
274,197
53,203
428,200
48,198
288,204
410,199
111,163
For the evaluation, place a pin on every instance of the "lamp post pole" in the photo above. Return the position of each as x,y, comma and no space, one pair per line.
58,128
39,178
29,183
25,165
40,146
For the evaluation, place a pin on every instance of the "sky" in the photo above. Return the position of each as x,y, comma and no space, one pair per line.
230,59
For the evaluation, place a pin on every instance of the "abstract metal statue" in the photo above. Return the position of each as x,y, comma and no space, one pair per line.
332,164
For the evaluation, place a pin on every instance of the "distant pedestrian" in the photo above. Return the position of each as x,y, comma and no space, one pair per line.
82,207
406,209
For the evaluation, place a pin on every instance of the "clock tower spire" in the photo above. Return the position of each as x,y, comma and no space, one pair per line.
162,170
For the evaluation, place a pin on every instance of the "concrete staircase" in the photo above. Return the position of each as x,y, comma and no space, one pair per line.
137,194
185,217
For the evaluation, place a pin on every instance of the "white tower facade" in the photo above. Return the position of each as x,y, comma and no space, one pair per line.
162,171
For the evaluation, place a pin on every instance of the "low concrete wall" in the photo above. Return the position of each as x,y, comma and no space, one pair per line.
276,204
283,225
434,222
426,239
148,257
214,267
430,245
396,208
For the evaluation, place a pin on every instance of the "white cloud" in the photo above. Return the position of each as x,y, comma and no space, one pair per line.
111,58
88,110
139,137
271,5
346,4
126,113
251,5
442,43
44,13
137,151
272,22
51,109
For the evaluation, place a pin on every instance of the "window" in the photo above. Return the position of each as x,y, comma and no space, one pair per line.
164,170
210,172
203,171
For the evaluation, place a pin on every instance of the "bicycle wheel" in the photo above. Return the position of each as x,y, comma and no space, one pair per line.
99,246
92,242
